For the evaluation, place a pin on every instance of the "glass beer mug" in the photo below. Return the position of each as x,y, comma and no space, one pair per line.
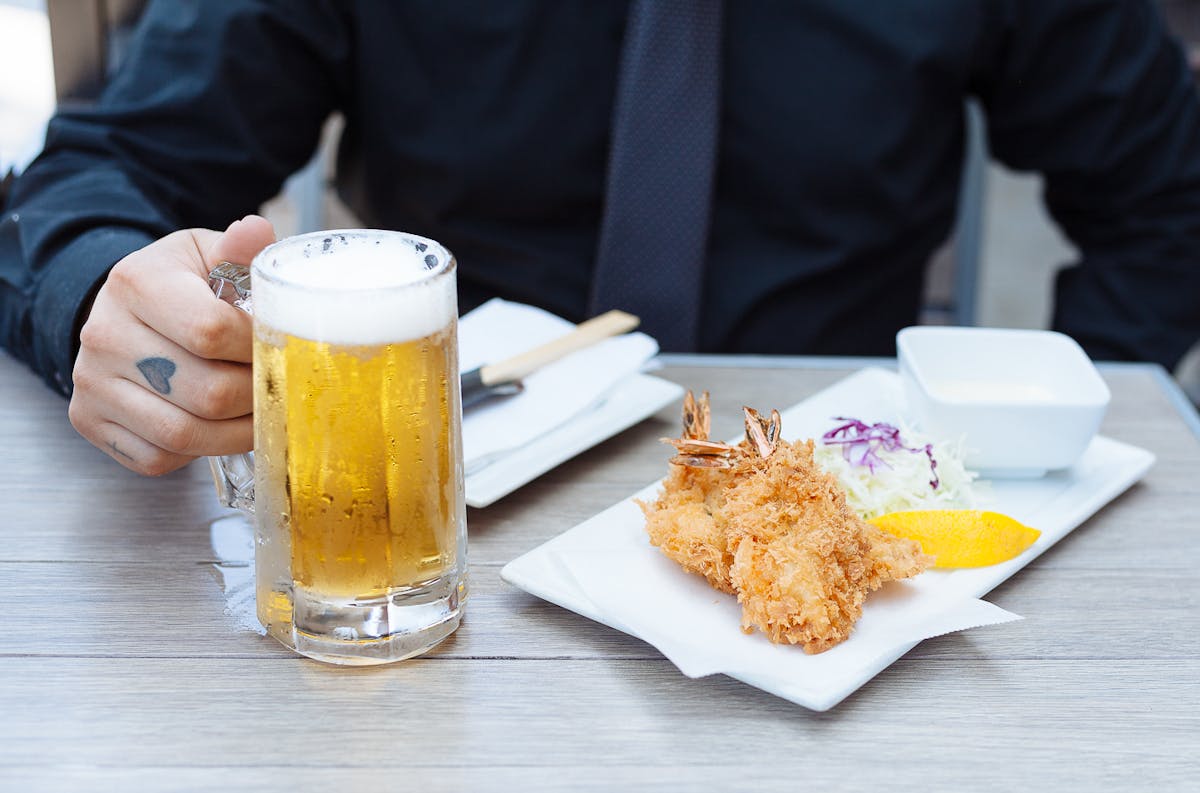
356,479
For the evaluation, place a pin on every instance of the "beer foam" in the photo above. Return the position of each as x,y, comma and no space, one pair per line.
355,287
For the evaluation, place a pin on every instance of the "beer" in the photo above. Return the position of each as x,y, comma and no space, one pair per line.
357,442
358,472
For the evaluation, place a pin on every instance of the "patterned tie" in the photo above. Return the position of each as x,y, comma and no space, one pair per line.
654,234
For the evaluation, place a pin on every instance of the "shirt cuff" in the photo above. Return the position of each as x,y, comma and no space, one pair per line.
69,280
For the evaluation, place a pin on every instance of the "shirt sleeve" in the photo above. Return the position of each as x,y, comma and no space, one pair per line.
213,107
1096,96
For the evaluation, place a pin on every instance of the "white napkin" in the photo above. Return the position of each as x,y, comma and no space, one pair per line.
232,540
500,329
698,628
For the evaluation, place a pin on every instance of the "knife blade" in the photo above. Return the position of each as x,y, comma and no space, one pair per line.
504,378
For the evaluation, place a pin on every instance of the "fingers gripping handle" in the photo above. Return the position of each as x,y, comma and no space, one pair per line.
233,474
231,282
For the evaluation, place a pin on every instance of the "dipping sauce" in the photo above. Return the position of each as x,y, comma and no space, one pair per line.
991,391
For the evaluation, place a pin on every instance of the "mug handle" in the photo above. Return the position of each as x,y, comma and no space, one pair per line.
233,474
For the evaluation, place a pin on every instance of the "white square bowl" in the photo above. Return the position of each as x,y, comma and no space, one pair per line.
1024,401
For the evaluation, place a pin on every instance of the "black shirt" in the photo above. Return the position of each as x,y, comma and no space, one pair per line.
485,125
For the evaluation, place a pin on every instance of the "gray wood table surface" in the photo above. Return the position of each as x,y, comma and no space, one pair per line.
119,668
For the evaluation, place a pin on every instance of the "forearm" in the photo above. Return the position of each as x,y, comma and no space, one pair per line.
214,106
1135,294
1099,99
57,243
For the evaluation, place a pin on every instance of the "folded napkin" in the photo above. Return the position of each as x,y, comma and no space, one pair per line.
699,629
606,569
554,394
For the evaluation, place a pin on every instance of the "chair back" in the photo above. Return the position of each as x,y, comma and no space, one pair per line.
87,40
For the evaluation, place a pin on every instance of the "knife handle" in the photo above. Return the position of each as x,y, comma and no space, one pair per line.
610,323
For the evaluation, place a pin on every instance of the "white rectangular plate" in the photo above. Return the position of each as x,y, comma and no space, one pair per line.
614,543
633,400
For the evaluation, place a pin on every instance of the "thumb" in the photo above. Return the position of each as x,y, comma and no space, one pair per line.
241,242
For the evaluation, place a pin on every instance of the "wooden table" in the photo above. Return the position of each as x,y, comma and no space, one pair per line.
119,669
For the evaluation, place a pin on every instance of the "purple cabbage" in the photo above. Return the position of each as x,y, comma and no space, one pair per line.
862,442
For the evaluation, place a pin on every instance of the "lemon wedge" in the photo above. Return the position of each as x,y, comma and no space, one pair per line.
961,537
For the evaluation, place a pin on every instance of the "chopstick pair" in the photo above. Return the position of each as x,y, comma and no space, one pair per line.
504,378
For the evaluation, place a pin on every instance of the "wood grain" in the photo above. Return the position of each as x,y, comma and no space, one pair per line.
119,669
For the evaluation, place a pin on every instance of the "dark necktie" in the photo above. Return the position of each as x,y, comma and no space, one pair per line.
654,234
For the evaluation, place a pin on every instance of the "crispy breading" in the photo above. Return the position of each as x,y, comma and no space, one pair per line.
777,532
687,523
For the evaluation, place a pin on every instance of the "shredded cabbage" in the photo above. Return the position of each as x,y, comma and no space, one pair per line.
888,469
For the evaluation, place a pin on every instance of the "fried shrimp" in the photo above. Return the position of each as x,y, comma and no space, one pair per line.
761,520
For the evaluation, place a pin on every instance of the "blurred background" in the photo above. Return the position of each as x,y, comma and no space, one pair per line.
996,270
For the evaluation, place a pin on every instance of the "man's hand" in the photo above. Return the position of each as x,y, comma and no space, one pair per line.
163,372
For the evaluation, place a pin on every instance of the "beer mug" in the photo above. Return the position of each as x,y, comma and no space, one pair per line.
356,479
